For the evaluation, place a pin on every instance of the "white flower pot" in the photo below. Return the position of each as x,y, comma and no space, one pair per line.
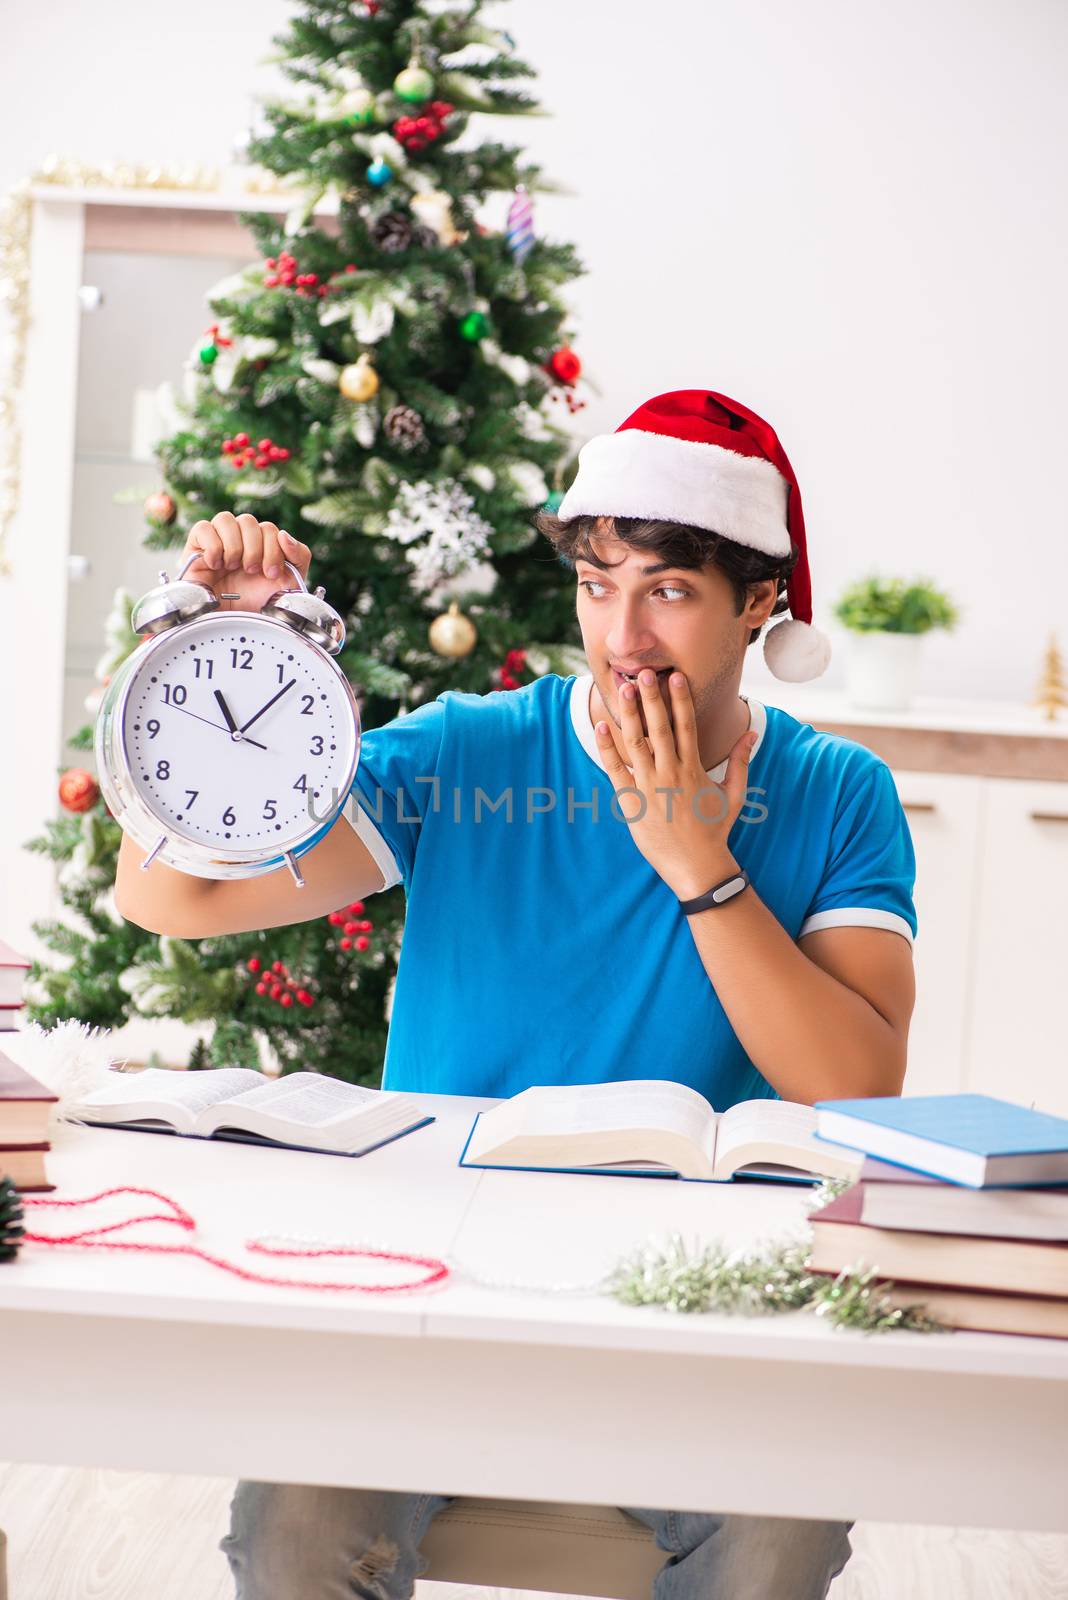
881,669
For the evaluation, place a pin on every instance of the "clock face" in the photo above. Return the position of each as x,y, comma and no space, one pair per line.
239,735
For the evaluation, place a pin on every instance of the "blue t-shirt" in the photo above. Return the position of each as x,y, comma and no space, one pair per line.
540,947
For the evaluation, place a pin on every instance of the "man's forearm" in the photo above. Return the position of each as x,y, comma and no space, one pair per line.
810,1036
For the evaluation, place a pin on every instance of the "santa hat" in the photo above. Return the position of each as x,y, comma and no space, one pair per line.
696,457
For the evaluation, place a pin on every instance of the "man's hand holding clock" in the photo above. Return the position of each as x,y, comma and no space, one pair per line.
243,560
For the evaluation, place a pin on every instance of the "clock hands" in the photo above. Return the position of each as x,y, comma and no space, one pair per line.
211,724
227,713
284,690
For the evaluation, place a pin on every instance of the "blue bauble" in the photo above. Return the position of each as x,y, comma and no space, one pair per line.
379,172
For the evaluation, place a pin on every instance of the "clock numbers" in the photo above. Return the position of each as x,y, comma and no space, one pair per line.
229,817
245,664
153,728
307,704
174,694
316,745
270,810
205,663
190,797
163,770
302,783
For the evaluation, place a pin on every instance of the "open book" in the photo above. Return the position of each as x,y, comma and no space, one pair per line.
302,1111
654,1128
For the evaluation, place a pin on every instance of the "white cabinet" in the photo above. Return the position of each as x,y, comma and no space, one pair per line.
945,815
1017,1029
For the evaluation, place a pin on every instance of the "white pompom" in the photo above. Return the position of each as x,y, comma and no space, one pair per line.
796,651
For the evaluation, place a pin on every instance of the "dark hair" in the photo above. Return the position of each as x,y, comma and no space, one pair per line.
677,543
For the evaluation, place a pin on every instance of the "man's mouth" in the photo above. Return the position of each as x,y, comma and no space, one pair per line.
619,677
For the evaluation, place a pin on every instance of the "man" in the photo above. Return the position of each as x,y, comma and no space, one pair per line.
636,872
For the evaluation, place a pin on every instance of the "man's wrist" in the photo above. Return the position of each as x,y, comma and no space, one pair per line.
698,880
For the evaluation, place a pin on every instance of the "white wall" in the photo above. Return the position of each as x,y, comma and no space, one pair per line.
848,215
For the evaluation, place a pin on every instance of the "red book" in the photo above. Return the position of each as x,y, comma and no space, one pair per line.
25,1106
24,1164
13,970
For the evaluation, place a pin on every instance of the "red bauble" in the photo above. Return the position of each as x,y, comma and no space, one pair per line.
565,364
160,509
78,790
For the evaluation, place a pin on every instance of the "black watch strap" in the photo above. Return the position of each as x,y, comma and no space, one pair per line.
719,893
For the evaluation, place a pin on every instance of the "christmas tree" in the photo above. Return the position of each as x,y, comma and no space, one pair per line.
391,383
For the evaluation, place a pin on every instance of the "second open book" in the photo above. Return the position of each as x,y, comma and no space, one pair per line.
654,1128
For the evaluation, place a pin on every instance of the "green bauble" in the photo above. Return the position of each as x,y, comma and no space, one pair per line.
209,354
413,84
475,326
554,502
357,108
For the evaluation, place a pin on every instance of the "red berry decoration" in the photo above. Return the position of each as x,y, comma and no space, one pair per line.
254,963
363,943
78,790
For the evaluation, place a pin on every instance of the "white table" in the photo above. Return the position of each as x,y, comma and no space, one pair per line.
165,1365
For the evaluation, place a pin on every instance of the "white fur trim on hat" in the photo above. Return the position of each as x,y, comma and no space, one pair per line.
796,651
633,473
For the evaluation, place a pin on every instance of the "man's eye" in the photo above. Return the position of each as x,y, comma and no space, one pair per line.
664,588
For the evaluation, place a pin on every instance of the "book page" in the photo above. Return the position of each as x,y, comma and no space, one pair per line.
307,1099
576,1109
780,1124
168,1095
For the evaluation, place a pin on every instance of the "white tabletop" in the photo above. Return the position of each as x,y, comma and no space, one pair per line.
495,1375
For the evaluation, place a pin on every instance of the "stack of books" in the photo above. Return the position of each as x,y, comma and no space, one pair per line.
25,1108
13,970
962,1202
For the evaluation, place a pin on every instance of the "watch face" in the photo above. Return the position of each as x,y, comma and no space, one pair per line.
239,735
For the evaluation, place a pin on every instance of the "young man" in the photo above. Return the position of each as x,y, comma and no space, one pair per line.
657,878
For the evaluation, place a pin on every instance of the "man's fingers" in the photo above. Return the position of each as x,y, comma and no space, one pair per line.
272,555
251,542
614,764
686,740
202,537
227,527
294,551
736,777
634,739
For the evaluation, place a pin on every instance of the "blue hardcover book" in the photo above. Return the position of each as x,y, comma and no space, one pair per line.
653,1128
971,1139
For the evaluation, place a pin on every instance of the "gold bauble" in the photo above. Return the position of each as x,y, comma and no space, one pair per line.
453,634
359,381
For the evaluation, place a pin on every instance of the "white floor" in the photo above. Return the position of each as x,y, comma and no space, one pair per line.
94,1535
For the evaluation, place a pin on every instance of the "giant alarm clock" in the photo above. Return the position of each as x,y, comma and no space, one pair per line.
227,742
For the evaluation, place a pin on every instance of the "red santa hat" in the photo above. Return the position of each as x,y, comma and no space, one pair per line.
696,457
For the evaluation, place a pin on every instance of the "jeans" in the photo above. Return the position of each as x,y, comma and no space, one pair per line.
296,1542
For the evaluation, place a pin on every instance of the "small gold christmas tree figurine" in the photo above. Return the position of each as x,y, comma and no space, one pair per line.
1053,685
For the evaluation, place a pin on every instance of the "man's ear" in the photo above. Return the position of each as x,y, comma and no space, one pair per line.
761,601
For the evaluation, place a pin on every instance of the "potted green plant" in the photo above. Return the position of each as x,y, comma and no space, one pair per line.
887,618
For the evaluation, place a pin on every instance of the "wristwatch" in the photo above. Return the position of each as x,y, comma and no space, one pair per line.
718,894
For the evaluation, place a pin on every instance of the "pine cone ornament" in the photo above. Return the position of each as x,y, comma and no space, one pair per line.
404,428
424,238
392,233
11,1229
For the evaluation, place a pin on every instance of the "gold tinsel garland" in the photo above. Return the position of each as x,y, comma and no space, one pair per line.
16,218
